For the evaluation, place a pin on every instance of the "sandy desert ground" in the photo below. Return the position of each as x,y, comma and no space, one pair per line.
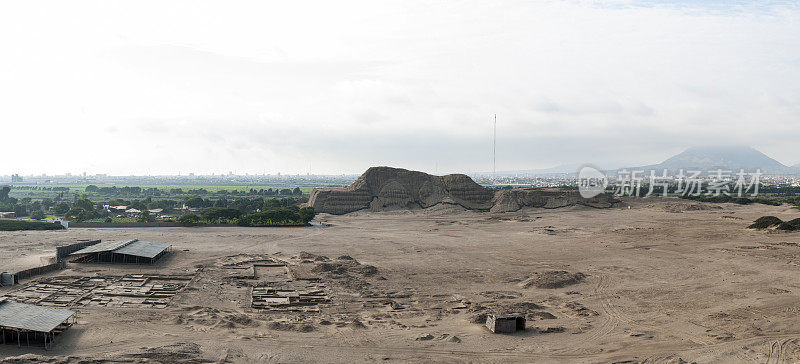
661,281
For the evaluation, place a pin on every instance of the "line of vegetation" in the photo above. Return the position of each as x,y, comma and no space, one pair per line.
82,208
100,192
188,211
271,217
155,191
767,195
735,199
15,225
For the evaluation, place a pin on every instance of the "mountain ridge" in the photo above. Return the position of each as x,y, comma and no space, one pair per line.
733,158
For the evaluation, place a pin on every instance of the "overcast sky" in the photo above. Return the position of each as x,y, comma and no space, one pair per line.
163,87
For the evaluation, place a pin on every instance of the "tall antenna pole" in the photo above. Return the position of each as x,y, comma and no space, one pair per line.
494,150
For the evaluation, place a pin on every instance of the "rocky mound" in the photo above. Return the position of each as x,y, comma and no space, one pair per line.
766,222
513,200
553,279
386,188
790,225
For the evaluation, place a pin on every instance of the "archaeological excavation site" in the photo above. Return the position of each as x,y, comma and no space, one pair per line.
405,266
581,181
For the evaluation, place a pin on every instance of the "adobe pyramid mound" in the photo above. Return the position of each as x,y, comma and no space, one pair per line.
518,198
386,188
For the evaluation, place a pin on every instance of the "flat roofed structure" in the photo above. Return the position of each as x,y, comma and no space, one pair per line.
145,249
21,322
505,323
129,251
105,246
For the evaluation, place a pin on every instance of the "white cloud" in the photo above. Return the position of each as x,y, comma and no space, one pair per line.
153,87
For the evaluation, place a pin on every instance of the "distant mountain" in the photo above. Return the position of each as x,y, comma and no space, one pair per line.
698,158
726,158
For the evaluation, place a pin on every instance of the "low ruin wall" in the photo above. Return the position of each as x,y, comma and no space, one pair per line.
27,273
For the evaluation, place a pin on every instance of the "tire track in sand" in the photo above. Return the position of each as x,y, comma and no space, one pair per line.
607,324
614,317
777,351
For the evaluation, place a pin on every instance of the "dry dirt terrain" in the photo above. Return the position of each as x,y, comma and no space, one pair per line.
661,281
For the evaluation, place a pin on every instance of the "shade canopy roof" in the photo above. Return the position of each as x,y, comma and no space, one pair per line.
145,249
30,317
137,248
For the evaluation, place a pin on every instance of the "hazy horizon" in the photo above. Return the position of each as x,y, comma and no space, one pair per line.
333,88
732,151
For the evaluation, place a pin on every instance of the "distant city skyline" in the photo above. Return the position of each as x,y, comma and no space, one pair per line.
256,87
740,156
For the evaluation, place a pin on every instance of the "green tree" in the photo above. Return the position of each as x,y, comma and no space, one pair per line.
277,216
144,216
212,214
92,188
189,219
4,199
83,204
21,210
37,215
297,191
273,202
306,214
61,208
195,202
136,204
79,214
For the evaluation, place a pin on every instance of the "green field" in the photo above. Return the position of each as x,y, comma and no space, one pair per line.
18,191
46,217
209,188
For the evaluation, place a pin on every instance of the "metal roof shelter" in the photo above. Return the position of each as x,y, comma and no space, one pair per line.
36,322
146,249
129,251
105,246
